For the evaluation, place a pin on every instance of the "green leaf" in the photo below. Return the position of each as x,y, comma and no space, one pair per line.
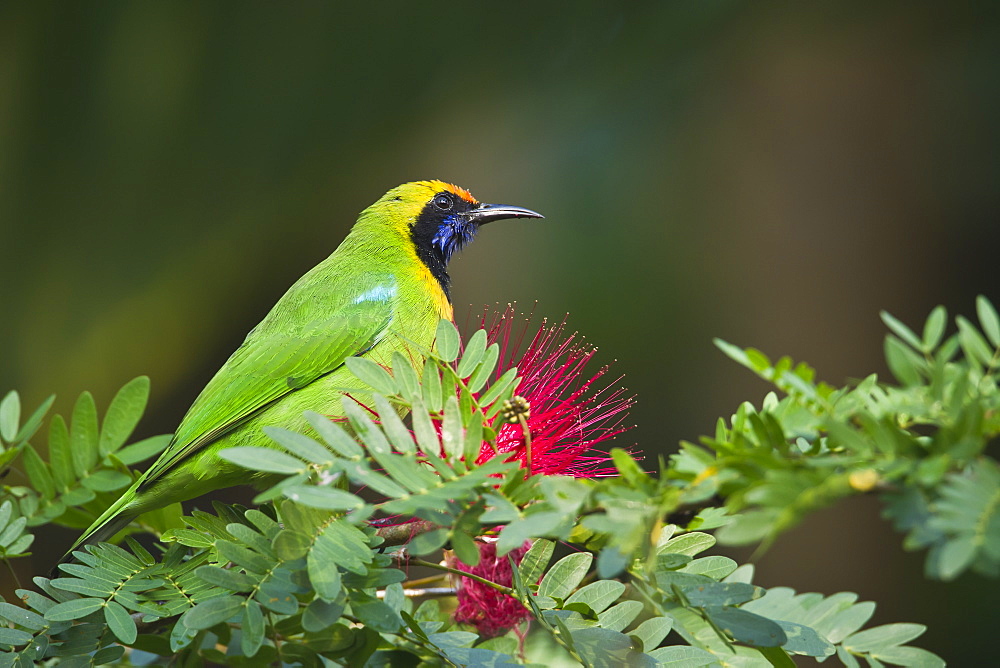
226,578
428,541
973,343
78,496
734,353
211,612
144,449
375,614
300,445
604,648
120,622
988,320
452,434
536,559
289,544
242,556
682,656
848,621
565,575
106,480
89,587
688,543
532,526
392,425
10,415
34,421
38,473
329,498
473,354
343,544
423,428
777,657
14,637
22,617
123,415
446,341
496,390
671,561
364,427
485,369
465,548
805,640
277,594
597,595
83,434
406,377
20,546
715,567
719,593
73,609
881,637
473,443
909,656
955,556
372,374
747,627
627,467
334,435
60,454
252,626
360,474
901,330
320,615
902,361
263,459
108,655
139,551
617,617
432,389
934,328
652,632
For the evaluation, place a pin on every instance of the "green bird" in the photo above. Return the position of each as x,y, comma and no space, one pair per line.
383,290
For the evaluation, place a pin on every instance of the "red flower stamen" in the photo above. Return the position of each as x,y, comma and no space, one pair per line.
492,612
570,413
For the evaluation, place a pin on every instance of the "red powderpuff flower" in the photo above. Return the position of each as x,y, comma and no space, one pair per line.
492,612
568,411
565,413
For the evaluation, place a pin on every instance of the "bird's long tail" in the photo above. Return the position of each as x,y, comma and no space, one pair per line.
111,521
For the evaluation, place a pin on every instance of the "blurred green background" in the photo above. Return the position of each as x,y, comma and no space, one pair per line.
770,174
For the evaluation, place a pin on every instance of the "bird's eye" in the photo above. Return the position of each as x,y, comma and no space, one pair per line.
443,202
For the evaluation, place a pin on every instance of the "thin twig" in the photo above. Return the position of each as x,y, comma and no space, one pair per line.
455,571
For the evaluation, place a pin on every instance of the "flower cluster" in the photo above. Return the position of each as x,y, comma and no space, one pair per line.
554,423
568,412
492,612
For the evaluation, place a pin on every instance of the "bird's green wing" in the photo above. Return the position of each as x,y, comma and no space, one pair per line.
269,365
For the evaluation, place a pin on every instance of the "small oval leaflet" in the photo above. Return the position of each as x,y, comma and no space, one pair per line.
446,341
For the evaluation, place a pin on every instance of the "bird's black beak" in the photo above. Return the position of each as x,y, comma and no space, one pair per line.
487,213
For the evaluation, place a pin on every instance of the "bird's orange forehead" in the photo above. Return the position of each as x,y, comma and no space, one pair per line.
457,190
461,192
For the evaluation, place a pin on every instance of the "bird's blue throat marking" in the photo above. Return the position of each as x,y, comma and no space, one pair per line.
441,229
453,234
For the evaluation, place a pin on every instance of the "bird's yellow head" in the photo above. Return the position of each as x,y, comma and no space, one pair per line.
439,218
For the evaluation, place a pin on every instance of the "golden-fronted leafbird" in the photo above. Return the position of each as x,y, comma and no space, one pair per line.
383,290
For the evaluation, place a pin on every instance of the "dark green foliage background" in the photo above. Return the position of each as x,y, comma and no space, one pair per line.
771,176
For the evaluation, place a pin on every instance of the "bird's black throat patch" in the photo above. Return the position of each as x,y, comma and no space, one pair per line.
439,231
